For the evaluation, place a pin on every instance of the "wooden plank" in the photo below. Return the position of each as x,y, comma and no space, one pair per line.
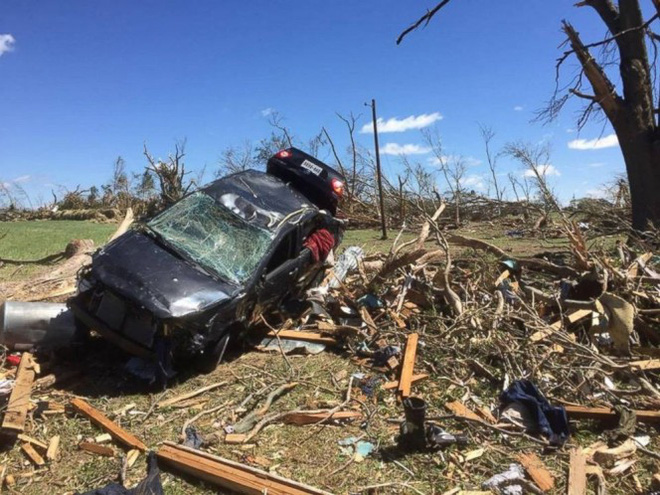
304,336
53,448
95,448
395,383
312,418
645,365
32,441
537,471
235,438
230,475
19,400
460,409
577,473
405,378
32,454
98,418
606,414
190,395
571,317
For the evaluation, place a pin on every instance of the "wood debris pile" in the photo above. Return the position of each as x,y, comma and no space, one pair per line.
447,320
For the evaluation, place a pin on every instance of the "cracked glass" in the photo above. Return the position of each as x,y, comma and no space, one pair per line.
213,236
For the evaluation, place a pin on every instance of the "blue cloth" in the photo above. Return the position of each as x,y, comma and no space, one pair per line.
551,421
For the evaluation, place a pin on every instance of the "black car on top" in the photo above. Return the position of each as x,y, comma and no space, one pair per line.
184,282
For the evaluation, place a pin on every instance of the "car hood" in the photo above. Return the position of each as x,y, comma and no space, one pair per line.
138,268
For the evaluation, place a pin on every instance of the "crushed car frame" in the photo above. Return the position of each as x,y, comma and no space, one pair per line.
183,283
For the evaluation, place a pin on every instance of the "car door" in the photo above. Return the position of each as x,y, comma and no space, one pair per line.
281,271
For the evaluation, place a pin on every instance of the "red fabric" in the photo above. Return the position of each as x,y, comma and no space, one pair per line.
14,359
320,243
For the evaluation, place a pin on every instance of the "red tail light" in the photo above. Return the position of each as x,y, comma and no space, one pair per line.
283,154
338,187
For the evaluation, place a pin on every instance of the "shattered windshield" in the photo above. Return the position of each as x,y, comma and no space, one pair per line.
210,234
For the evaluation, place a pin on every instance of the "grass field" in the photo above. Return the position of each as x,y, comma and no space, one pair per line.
33,240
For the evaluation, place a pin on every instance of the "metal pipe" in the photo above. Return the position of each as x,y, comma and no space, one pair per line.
24,325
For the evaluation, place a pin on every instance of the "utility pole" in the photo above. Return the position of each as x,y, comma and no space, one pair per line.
378,172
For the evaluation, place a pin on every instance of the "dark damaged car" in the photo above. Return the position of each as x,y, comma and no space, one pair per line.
185,282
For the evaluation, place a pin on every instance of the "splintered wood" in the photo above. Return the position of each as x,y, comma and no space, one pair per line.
304,336
405,379
606,414
460,409
537,471
104,423
577,474
303,418
228,474
571,317
19,400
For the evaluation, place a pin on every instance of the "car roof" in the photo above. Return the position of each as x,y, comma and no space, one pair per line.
258,197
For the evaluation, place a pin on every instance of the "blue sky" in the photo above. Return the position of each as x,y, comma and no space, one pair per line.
85,81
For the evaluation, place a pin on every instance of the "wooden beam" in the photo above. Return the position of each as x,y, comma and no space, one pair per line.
303,418
32,441
405,378
606,414
228,474
577,472
32,454
304,336
19,400
98,418
95,448
395,383
537,471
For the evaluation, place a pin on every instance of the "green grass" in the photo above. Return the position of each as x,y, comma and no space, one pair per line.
32,240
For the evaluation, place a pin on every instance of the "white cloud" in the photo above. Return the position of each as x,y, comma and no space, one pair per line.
608,141
597,164
544,170
402,125
6,43
470,161
518,108
403,149
598,193
475,182
266,112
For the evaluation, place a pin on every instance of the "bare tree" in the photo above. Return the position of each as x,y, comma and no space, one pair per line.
487,134
630,109
237,159
453,168
171,174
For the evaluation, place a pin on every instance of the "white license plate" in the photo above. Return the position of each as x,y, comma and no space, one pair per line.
312,167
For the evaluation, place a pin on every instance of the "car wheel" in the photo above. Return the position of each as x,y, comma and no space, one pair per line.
214,353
